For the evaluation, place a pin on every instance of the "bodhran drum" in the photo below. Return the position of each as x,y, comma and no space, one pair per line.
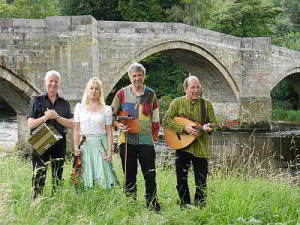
43,137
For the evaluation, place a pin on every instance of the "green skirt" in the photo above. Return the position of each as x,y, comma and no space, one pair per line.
94,169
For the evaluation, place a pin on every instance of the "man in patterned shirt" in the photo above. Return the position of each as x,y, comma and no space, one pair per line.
136,139
199,110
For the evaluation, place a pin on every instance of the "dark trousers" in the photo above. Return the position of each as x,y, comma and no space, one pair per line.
40,163
145,154
200,166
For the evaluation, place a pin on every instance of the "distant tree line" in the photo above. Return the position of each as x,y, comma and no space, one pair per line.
278,19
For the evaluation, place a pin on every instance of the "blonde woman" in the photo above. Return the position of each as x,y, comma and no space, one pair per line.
93,119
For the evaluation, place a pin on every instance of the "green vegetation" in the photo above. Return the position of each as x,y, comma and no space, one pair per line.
240,191
285,102
284,96
286,115
31,9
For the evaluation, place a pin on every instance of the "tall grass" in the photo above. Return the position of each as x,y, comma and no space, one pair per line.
286,115
241,190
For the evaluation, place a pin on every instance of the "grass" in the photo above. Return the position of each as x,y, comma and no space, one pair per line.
286,115
236,195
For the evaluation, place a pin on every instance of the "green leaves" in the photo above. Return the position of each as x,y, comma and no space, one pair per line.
246,18
99,9
165,76
30,9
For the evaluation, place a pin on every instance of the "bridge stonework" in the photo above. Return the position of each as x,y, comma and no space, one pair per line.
237,74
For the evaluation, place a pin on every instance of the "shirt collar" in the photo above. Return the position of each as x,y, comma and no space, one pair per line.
45,95
141,93
193,102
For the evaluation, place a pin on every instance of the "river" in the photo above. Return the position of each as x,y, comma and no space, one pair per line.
283,145
8,130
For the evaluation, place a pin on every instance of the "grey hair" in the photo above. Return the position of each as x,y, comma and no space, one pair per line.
136,67
186,81
51,72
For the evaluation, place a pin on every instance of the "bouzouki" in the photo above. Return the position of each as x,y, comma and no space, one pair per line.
181,140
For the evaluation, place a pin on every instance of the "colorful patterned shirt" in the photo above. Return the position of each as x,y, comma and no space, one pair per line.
201,112
144,109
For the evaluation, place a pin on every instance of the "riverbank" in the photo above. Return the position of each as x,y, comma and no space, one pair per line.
244,195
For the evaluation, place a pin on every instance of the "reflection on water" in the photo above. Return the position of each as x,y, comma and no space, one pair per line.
282,146
8,131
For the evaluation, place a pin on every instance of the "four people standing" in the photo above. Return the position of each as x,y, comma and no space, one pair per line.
49,107
137,105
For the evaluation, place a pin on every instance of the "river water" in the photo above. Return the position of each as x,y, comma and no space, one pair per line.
8,130
283,145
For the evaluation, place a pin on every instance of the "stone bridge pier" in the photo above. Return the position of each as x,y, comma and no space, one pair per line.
237,74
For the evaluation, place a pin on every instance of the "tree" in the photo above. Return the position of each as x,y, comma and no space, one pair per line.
246,18
192,12
149,10
164,75
289,40
287,31
292,9
99,9
30,9
284,96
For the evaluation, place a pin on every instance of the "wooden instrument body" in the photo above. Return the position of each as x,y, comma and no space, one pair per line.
132,123
181,140
76,169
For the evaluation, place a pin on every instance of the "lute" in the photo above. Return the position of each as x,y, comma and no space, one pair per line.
181,140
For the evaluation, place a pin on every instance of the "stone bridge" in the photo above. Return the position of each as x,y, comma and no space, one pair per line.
237,74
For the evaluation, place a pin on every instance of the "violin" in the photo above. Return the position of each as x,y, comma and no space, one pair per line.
131,122
77,163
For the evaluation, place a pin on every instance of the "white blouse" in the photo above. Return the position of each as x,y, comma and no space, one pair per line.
92,122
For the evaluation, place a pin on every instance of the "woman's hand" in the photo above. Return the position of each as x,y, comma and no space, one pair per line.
108,156
76,152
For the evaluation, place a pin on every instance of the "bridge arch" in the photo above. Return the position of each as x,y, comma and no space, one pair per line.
218,80
15,92
291,71
292,76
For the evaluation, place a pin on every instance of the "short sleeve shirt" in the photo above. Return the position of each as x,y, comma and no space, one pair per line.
39,104
92,122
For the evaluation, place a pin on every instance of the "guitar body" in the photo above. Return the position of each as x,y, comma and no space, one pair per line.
178,141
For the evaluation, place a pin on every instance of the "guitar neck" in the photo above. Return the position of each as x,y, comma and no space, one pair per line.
219,125
216,125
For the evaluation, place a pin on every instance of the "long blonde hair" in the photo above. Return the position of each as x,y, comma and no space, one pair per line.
85,100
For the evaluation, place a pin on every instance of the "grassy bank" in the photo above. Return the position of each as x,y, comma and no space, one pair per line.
235,196
286,115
